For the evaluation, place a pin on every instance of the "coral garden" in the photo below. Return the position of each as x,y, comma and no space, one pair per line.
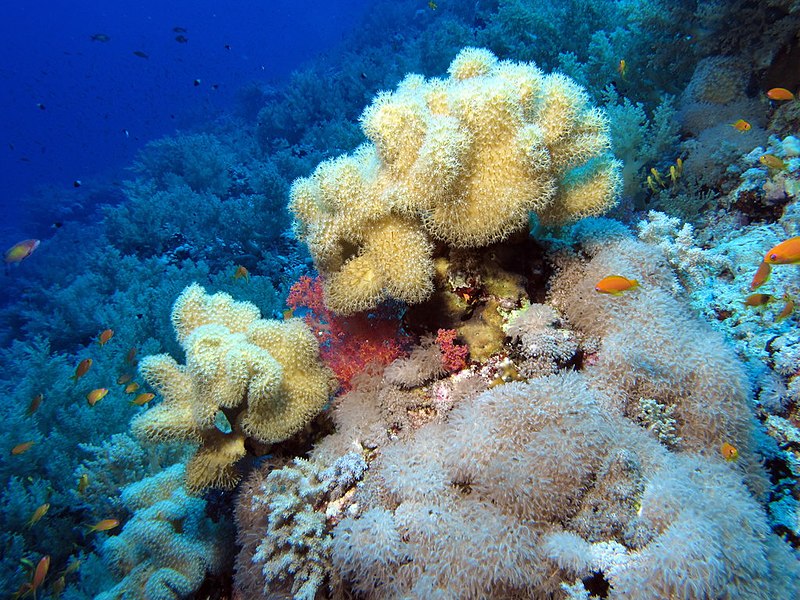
359,345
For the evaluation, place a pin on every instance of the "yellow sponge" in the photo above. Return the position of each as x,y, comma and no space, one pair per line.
244,377
461,161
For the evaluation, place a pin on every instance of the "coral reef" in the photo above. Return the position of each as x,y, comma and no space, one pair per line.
461,161
261,379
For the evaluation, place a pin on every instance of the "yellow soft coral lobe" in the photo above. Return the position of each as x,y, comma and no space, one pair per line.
459,162
472,62
265,376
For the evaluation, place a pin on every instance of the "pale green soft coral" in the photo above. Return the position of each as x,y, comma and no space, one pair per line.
262,378
461,162
165,551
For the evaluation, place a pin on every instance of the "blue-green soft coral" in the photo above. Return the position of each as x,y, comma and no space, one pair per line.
167,547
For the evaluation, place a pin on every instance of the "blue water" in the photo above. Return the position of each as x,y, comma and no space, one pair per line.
102,103
542,431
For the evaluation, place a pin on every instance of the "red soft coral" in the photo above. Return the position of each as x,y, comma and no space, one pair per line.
348,344
454,357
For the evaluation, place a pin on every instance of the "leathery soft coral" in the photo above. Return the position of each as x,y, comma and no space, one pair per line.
460,161
166,549
244,377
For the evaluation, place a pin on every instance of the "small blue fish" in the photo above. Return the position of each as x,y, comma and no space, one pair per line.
221,422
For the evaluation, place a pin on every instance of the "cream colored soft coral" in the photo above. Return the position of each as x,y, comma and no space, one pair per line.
264,376
461,161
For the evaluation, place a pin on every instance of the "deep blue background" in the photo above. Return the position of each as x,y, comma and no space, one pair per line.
93,91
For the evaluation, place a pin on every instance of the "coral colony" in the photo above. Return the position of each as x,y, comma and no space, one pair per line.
515,338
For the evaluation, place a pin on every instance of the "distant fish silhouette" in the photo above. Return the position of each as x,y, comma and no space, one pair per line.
140,54
100,37
179,29
181,39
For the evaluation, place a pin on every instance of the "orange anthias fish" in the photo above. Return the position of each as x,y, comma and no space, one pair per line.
622,68
34,405
131,356
104,525
761,277
758,299
83,483
242,272
772,162
729,452
615,285
82,368
21,448
95,396
143,398
785,253
788,308
131,387
38,514
106,335
780,94
40,573
124,378
741,125
20,251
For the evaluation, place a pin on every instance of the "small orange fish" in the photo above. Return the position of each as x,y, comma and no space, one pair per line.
772,162
58,587
780,94
82,368
104,525
288,314
131,356
657,176
106,335
40,573
432,5
38,514
785,253
761,277
22,591
787,310
73,566
21,448
729,452
83,483
34,405
131,387
95,396
143,398
124,378
758,299
242,272
20,251
615,285
622,68
741,125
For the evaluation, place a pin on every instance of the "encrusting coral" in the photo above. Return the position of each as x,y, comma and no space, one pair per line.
460,161
244,377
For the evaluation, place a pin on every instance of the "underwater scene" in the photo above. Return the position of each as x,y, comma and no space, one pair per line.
400,299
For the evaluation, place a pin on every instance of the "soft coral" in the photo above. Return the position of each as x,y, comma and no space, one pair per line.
348,344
